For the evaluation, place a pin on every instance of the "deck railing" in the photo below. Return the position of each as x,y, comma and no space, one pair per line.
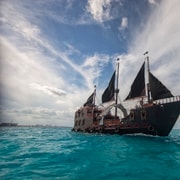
167,100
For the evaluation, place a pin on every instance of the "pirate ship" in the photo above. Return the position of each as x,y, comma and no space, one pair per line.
155,114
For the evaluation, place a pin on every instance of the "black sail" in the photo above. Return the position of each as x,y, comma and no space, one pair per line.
89,100
158,90
108,94
138,86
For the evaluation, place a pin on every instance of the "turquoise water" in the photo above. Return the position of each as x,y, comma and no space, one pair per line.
58,153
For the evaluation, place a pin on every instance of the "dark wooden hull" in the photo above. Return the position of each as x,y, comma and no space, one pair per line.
154,119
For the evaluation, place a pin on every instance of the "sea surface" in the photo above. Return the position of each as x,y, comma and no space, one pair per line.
57,153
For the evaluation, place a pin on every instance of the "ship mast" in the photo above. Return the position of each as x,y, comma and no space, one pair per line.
117,90
94,97
148,85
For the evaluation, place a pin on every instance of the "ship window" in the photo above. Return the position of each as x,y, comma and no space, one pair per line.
143,115
132,115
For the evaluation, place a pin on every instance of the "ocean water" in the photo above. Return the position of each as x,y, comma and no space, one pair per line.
58,153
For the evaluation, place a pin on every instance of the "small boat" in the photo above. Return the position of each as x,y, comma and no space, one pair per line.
155,113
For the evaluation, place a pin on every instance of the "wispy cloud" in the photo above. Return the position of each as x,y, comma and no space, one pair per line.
153,2
94,65
100,10
48,90
124,23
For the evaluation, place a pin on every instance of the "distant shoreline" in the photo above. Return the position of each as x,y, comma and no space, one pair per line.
37,125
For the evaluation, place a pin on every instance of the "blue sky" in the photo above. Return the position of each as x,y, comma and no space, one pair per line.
53,52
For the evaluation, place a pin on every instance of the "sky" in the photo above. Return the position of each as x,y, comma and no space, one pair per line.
52,53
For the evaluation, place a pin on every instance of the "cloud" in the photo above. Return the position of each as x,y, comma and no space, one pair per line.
16,22
38,115
100,10
124,23
152,2
71,49
19,24
19,70
94,65
48,90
